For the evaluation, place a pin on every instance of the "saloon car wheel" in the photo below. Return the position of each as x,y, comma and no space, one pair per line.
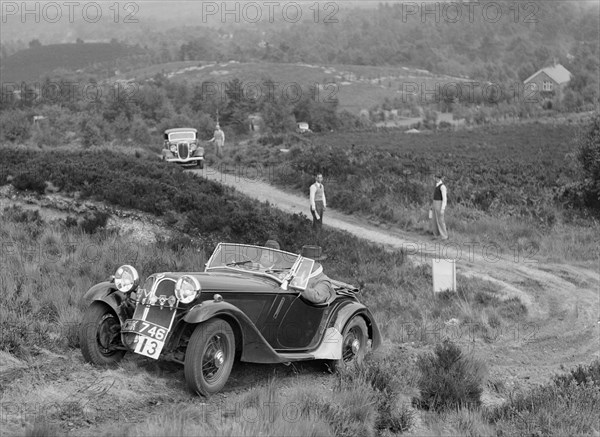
201,164
209,357
354,343
100,335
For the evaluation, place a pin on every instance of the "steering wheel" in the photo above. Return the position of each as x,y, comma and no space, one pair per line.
274,270
233,262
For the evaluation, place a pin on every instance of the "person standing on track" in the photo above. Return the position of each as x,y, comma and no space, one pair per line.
219,139
440,200
318,204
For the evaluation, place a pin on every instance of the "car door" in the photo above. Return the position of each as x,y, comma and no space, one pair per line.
302,324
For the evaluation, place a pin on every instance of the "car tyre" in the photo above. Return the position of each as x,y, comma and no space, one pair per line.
201,164
99,332
209,357
355,340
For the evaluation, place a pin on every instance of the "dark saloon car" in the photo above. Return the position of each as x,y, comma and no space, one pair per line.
249,303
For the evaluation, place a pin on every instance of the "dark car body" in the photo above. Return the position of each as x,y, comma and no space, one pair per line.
181,146
270,319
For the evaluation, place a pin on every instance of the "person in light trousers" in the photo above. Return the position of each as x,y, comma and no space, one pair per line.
318,204
440,200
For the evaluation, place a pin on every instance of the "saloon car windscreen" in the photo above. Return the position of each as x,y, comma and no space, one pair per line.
182,136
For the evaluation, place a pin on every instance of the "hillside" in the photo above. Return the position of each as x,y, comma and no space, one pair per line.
525,320
355,86
32,63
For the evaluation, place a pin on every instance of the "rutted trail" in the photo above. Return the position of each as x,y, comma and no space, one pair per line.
569,283
562,299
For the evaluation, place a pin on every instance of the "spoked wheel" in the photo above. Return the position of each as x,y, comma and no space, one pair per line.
100,336
354,344
209,357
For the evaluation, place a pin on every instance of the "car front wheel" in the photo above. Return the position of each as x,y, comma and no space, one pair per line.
209,357
201,164
100,336
354,344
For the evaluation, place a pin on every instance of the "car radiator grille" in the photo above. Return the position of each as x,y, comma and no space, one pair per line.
184,150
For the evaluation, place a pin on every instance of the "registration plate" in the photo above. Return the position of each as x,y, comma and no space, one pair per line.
151,324
149,347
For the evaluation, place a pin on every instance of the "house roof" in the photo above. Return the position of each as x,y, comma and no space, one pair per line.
557,73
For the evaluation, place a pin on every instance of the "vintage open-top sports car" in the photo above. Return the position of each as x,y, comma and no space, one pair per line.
250,303
181,146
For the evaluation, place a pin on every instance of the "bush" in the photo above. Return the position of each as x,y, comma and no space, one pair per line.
450,379
94,131
29,181
566,406
580,375
90,223
386,377
15,125
17,214
589,158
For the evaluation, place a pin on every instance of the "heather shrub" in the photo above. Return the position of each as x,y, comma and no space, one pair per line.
566,406
449,378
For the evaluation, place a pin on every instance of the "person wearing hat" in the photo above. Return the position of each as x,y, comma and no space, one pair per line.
267,258
440,200
319,288
318,204
219,139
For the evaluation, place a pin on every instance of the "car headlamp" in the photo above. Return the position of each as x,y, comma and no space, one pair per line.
187,288
126,279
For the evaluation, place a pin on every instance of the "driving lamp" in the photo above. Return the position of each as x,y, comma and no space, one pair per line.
187,288
126,279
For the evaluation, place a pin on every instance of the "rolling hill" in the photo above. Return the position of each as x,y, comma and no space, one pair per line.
355,86
33,63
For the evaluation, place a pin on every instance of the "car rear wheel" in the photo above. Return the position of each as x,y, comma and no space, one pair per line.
100,336
354,344
209,357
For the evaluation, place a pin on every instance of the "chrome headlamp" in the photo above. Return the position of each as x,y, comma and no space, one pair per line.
173,148
187,288
126,279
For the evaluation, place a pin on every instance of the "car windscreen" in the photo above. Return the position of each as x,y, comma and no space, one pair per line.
241,257
178,136
300,279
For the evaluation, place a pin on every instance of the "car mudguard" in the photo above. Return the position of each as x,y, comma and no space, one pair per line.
347,312
255,348
105,292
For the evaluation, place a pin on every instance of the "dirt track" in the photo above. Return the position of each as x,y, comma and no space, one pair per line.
562,300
